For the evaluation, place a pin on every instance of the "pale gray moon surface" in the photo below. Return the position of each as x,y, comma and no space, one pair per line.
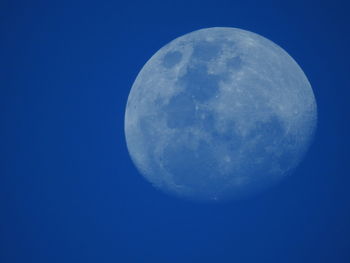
218,114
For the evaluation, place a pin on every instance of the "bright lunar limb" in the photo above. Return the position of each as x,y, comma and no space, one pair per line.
219,113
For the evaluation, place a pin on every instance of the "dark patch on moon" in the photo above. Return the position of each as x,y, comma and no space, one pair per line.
229,134
205,50
234,63
266,135
171,59
232,138
199,84
180,111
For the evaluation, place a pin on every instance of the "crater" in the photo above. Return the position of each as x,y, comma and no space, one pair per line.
171,59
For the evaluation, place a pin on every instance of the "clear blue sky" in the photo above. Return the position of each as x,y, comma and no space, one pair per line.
68,189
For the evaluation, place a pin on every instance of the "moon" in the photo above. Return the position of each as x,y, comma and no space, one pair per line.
219,114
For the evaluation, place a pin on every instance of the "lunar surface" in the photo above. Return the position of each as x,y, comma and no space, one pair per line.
219,114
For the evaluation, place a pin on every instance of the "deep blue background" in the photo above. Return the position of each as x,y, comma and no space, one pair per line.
68,189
